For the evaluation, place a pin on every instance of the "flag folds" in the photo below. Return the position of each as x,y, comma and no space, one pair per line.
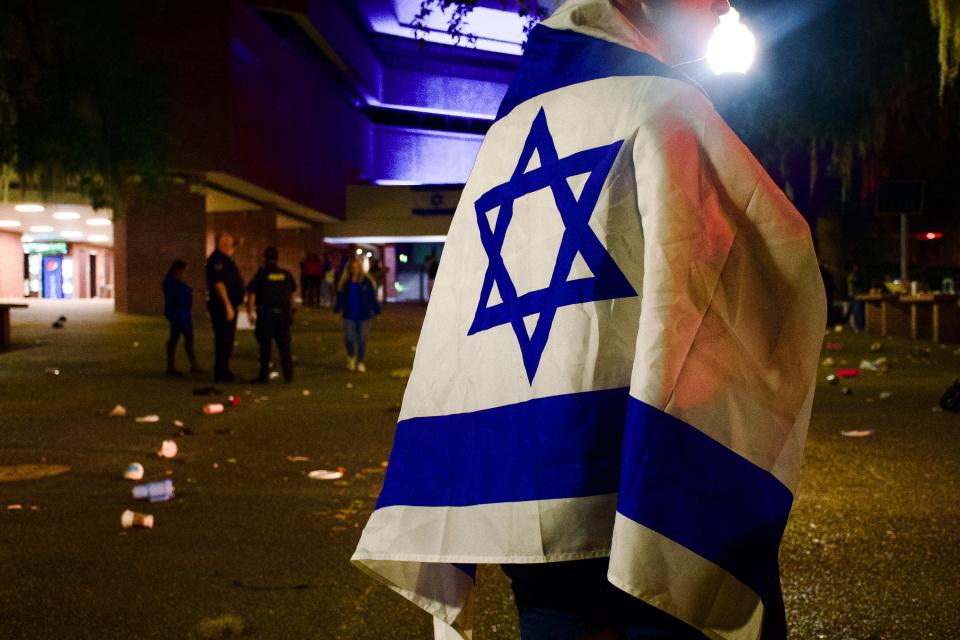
619,356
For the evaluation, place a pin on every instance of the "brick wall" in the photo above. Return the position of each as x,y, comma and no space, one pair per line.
154,230
253,231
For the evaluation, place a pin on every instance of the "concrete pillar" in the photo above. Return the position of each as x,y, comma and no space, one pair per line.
154,230
11,265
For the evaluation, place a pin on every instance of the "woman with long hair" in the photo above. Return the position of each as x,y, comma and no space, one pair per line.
357,300
178,308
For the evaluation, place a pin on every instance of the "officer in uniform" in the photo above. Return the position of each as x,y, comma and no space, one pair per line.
224,297
270,300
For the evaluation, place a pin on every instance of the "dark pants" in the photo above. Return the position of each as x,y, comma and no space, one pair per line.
273,326
574,601
182,326
224,332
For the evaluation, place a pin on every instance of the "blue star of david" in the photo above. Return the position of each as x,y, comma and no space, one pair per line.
608,281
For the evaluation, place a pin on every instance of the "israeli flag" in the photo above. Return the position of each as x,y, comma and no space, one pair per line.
619,356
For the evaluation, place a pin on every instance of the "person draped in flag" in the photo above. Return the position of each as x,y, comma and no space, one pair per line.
615,375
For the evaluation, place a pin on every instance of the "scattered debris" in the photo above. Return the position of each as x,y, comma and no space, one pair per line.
847,391
862,433
51,371
298,458
184,431
168,449
220,628
178,423
14,507
848,373
876,346
274,375
222,432
136,343
400,373
838,328
149,419
324,474
213,408
832,379
877,366
134,471
828,363
159,491
130,519
365,396
234,401
57,325
834,346
231,461
349,385
207,391
118,411
886,395
306,392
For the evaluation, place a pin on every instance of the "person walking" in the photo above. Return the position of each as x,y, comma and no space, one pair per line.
611,406
178,310
270,302
224,297
357,301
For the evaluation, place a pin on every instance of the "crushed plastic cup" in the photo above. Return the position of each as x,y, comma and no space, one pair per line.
832,379
876,366
274,375
858,433
178,424
134,471
876,346
148,419
828,363
848,373
159,491
168,449
131,519
213,408
118,411
886,395
234,401
325,474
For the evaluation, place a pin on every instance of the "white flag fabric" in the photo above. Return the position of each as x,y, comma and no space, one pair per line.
619,356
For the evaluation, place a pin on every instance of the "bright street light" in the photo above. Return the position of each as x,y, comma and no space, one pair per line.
732,48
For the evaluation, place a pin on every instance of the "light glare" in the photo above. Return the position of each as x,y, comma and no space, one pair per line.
66,215
29,208
732,48
9,224
41,228
98,238
99,222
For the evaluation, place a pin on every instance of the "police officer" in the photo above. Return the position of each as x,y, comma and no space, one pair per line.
271,294
224,297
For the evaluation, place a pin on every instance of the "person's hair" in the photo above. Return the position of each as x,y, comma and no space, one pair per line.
221,235
270,254
346,275
176,266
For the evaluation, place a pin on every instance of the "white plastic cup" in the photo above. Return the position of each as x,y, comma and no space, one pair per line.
134,471
159,491
168,449
130,519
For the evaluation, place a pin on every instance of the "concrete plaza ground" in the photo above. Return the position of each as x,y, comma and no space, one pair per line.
872,550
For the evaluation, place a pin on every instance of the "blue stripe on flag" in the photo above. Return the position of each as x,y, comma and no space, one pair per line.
686,486
559,447
554,58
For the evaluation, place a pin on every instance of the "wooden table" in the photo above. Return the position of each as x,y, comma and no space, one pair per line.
934,316
886,314
5,323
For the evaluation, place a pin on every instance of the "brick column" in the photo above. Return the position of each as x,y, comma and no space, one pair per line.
153,231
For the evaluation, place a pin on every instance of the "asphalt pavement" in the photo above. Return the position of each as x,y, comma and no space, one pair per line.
252,547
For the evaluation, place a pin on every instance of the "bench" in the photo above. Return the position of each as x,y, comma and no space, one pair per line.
5,323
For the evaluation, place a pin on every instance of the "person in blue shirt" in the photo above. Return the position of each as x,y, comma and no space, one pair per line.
357,300
178,307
